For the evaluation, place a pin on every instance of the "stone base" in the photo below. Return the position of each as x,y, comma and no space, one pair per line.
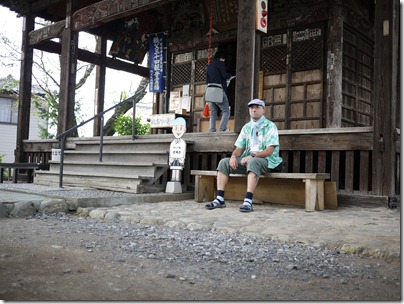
173,187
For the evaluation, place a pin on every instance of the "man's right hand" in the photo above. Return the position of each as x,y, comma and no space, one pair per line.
233,163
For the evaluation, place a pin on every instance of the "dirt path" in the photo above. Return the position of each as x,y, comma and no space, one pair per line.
72,258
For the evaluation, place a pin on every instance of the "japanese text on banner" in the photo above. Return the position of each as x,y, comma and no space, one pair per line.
157,45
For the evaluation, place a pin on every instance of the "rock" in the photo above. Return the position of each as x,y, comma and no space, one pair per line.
112,216
98,214
352,249
84,211
22,209
3,211
54,205
71,205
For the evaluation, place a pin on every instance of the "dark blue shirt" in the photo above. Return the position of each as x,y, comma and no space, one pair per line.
216,73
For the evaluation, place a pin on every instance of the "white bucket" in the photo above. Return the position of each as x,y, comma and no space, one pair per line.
56,155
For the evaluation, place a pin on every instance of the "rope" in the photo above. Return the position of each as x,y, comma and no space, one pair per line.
210,31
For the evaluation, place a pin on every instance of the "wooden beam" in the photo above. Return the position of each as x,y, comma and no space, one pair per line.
386,97
333,109
327,142
108,10
47,32
24,104
87,56
100,84
246,74
66,119
342,139
40,5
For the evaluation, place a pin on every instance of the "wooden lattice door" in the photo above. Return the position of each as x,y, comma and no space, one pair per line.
357,79
292,62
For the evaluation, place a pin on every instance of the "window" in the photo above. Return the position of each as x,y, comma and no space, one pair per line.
8,110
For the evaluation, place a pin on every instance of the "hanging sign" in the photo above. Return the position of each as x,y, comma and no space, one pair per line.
261,20
157,61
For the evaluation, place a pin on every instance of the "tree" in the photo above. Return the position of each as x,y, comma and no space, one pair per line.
109,127
51,87
123,126
45,69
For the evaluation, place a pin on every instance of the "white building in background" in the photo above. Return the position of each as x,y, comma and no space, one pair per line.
9,117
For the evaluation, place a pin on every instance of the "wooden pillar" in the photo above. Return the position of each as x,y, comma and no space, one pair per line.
335,31
386,96
246,72
100,74
24,104
68,72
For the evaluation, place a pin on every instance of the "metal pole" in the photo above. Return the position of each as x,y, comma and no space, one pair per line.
133,119
101,137
62,154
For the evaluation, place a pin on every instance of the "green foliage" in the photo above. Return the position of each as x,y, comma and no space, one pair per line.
10,86
5,173
123,126
48,111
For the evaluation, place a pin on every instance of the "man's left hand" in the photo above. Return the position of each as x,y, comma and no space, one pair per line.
244,160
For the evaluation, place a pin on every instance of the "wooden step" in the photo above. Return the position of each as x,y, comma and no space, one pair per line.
113,183
103,168
132,157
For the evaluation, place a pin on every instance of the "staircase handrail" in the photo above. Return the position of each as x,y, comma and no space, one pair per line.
132,98
62,136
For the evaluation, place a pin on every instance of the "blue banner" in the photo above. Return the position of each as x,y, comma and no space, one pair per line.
157,61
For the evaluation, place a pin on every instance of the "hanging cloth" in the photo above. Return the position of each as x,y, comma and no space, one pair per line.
206,110
210,31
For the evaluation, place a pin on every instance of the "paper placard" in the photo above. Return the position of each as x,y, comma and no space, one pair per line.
162,120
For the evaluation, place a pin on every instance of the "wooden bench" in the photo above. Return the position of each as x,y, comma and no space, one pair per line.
29,167
302,189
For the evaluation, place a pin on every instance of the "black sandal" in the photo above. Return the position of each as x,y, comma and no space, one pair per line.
246,207
215,204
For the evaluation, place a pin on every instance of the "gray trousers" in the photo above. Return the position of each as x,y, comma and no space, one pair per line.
257,165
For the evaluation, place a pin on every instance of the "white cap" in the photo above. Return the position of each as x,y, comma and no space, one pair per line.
257,102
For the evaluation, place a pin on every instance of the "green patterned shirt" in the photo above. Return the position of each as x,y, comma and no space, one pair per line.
267,136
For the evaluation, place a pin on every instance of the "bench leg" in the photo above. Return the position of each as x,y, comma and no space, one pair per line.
30,175
314,199
15,175
204,188
320,195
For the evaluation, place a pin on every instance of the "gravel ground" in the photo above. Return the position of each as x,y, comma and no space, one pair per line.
67,257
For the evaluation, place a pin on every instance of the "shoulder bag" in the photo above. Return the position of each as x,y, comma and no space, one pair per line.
214,93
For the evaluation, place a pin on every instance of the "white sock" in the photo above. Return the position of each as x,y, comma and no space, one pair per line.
220,198
247,201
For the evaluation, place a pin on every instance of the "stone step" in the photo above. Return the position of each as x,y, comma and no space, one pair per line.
130,157
124,146
127,165
109,169
121,140
113,183
144,145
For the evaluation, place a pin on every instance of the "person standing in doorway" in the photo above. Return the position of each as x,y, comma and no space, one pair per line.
216,73
256,153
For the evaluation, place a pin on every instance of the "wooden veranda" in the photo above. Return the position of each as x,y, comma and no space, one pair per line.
327,70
